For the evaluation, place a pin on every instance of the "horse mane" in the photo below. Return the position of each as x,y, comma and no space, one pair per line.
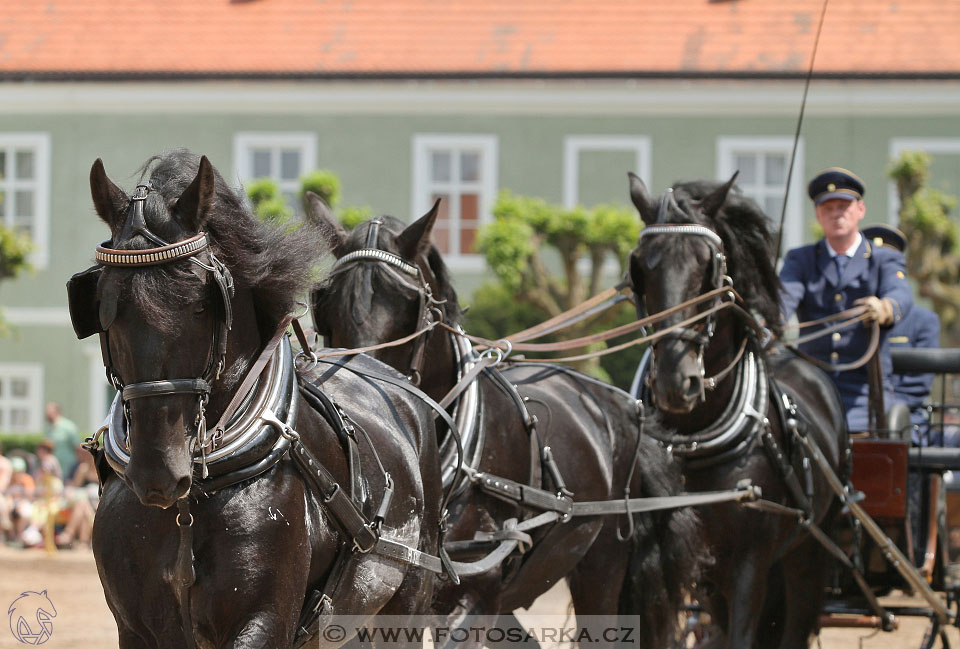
452,312
748,241
275,263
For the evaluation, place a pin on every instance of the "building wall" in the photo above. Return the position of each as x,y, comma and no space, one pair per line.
365,132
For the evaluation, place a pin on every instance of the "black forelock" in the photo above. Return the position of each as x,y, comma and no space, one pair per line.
389,231
276,264
748,241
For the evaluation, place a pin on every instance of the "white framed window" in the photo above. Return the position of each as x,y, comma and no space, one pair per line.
25,189
941,149
763,163
284,157
460,170
595,167
21,398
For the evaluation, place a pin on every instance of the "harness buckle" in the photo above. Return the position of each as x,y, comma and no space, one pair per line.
92,443
362,550
309,356
490,352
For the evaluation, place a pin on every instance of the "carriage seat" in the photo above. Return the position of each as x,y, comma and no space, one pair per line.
898,422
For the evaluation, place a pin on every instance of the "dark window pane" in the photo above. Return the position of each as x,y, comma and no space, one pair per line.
24,203
443,213
468,239
290,165
261,163
19,418
776,170
469,207
469,166
747,164
440,163
441,237
24,165
19,388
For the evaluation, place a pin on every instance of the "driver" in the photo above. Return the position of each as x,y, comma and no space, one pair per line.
843,270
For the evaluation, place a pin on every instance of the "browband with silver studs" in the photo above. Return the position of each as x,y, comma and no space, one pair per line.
151,256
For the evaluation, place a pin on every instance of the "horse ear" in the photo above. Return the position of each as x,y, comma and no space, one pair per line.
108,199
321,217
415,239
712,202
194,205
641,199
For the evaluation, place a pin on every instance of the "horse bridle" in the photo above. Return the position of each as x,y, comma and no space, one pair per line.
719,279
429,308
193,249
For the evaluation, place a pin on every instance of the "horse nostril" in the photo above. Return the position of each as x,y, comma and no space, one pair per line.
183,486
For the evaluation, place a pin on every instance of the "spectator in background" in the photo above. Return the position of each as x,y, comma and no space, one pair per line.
81,495
64,435
920,328
6,474
47,462
20,493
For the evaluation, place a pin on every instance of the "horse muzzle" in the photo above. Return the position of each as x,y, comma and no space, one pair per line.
676,382
158,485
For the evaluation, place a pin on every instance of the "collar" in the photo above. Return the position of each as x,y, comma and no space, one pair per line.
252,442
849,252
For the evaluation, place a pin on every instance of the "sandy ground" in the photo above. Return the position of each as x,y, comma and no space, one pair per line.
83,620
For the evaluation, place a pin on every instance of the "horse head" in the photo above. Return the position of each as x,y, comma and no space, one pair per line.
387,283
678,258
165,306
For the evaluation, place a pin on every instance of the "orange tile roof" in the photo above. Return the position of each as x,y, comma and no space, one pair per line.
89,38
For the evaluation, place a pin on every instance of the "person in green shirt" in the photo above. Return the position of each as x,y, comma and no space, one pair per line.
64,435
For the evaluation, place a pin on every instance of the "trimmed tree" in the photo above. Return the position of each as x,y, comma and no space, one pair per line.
548,259
933,240
15,249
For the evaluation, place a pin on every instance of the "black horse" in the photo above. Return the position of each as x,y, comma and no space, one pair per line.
698,237
190,297
388,282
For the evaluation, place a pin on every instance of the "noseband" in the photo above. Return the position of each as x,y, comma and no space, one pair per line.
400,269
192,249
718,277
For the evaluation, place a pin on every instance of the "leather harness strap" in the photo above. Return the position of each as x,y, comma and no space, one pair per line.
186,574
253,374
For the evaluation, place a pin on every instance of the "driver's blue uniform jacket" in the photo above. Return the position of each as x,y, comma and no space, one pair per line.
813,290
920,329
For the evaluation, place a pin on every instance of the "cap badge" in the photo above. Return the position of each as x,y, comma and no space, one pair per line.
831,187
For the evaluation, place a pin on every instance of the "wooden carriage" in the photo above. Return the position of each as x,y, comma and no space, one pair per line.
912,494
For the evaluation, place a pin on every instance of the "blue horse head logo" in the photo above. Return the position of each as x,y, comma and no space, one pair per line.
31,617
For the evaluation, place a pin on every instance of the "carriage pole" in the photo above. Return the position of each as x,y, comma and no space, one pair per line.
889,549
